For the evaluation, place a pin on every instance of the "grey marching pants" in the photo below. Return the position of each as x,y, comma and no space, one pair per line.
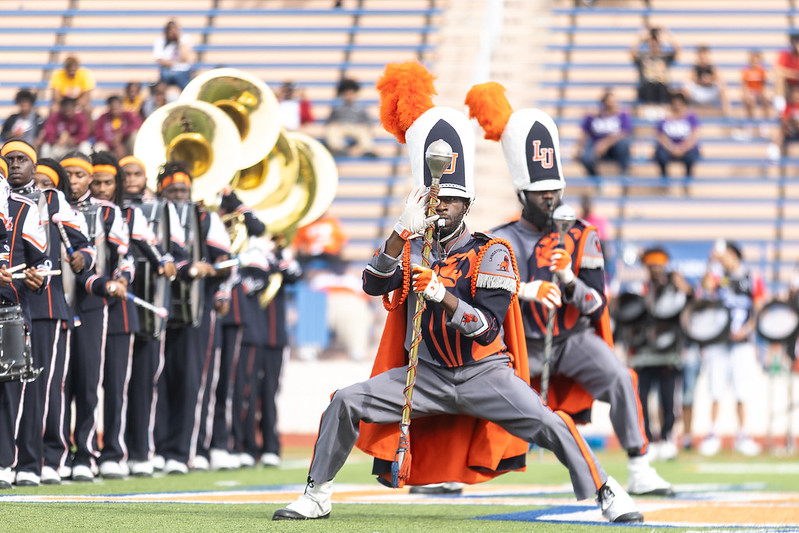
588,360
489,390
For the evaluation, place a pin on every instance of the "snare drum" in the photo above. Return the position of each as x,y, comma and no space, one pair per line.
630,308
706,321
668,304
187,298
16,358
778,321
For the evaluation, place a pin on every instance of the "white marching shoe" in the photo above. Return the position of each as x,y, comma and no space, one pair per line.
140,468
615,504
6,477
644,480
270,459
111,470
82,473
27,479
222,460
50,476
312,504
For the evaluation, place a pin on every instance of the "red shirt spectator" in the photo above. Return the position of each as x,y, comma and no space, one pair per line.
115,130
66,120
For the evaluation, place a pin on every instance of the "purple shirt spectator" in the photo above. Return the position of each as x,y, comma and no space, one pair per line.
57,123
677,129
105,127
600,126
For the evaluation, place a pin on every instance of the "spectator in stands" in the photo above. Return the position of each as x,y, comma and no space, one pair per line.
595,219
293,108
173,53
26,124
115,130
732,362
786,72
653,53
754,92
678,137
132,99
789,126
605,136
73,81
65,131
349,122
157,99
706,87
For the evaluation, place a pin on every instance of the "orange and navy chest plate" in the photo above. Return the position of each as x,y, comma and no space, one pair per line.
447,345
534,314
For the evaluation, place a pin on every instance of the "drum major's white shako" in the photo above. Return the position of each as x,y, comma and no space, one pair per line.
532,151
453,127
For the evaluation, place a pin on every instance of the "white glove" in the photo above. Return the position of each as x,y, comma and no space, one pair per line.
543,292
413,219
427,283
562,265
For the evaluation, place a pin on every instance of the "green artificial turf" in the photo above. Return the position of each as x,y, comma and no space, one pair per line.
777,474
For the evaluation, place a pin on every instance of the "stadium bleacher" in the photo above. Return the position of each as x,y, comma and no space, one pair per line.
308,42
737,192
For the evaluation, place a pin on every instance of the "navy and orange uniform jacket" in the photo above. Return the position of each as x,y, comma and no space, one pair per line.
474,331
91,292
481,272
216,243
27,243
51,303
586,306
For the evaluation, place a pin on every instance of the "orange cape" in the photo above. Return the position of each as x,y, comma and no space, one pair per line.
446,447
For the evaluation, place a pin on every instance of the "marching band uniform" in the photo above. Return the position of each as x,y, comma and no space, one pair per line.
89,339
40,441
27,244
529,141
231,339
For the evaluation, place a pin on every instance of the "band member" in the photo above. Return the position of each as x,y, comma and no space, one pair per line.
40,443
27,242
148,351
222,440
189,351
657,357
109,232
572,274
471,358
276,345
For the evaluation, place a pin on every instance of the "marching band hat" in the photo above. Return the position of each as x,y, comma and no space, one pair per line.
529,138
408,113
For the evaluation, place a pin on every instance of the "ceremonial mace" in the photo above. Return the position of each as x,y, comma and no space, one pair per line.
438,157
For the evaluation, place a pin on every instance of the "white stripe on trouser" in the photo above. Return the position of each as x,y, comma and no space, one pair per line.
67,355
198,409
123,421
231,386
19,419
151,424
93,452
209,419
53,356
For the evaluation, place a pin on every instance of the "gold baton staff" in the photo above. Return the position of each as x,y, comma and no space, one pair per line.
438,157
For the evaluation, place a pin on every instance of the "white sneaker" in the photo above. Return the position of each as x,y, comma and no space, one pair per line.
50,476
158,462
270,459
222,460
173,466
140,468
201,464
110,470
65,472
82,473
6,477
615,504
667,451
747,446
246,460
644,480
27,479
710,446
312,504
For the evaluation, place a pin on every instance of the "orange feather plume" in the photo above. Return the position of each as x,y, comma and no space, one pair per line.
487,103
406,91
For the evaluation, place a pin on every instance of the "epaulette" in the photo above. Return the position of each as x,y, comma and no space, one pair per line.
506,224
485,237
21,198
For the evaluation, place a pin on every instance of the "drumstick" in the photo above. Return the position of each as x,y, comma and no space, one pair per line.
64,237
16,268
225,264
47,273
160,312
